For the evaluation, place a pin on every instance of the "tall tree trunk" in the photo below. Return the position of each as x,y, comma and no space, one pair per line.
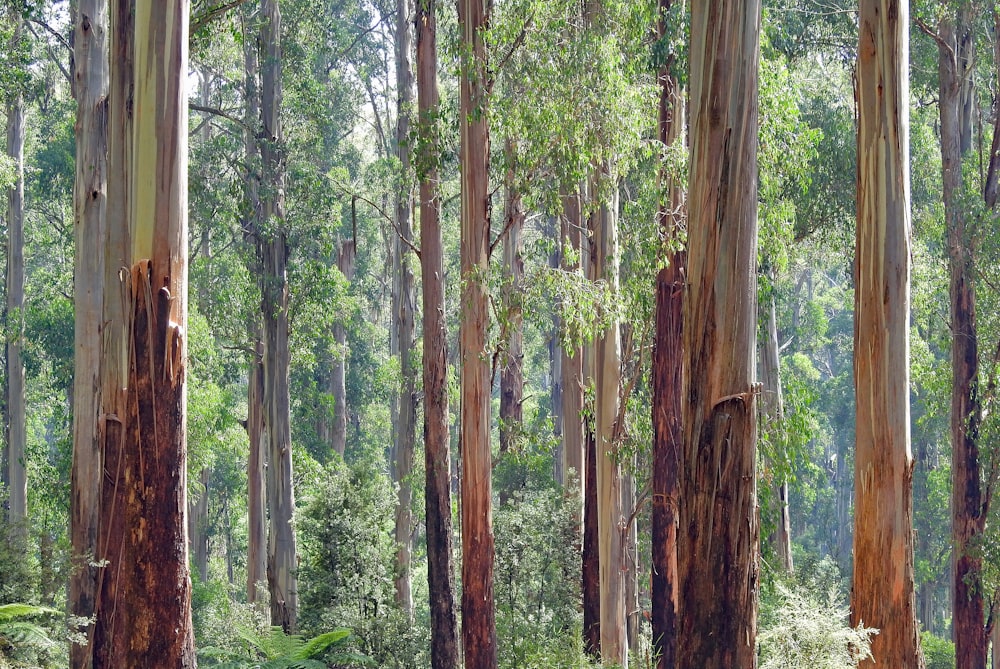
404,319
955,42
89,209
774,410
668,363
437,459
718,537
882,594
591,567
17,478
147,587
256,505
511,372
607,377
555,372
571,367
272,247
338,380
479,639
198,526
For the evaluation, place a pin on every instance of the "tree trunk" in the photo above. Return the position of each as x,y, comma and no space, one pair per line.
555,372
146,586
17,478
570,229
882,594
256,506
89,209
198,526
478,615
718,537
272,248
511,372
591,568
667,366
404,320
967,506
338,380
607,376
774,410
437,459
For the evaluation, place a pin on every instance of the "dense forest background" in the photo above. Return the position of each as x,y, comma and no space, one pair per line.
573,89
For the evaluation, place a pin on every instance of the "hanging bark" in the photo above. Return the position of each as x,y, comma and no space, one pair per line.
405,303
272,249
89,210
882,594
718,536
478,615
511,372
437,459
668,363
17,479
146,586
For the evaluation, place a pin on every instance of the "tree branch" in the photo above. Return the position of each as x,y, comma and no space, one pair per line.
927,30
48,48
209,15
221,113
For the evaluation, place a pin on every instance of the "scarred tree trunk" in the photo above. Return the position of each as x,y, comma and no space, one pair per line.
272,249
718,535
478,614
405,303
668,363
146,586
89,209
437,459
17,478
882,594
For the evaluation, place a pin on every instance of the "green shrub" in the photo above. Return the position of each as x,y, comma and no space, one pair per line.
938,653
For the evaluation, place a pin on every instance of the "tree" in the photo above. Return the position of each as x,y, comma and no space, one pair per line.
146,586
437,459
478,613
17,479
272,249
882,594
668,363
404,307
90,200
718,534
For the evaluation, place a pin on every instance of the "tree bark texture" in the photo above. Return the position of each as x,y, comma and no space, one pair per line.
89,210
882,594
718,537
667,366
404,314
607,384
437,458
591,568
272,248
478,614
256,459
17,473
146,587
968,504
511,371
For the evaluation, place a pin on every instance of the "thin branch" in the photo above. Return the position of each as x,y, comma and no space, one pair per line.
52,56
387,217
203,19
221,113
941,42
54,33
518,41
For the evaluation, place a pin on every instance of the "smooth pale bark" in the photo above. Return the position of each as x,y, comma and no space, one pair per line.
198,525
17,476
511,372
437,459
571,366
479,640
607,383
882,594
146,586
405,303
89,210
969,505
774,412
338,379
272,248
718,535
667,366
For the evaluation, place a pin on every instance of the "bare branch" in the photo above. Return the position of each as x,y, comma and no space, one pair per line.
221,113
203,19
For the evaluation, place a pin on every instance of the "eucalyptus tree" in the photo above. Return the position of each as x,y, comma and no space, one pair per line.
882,594
718,565
144,616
